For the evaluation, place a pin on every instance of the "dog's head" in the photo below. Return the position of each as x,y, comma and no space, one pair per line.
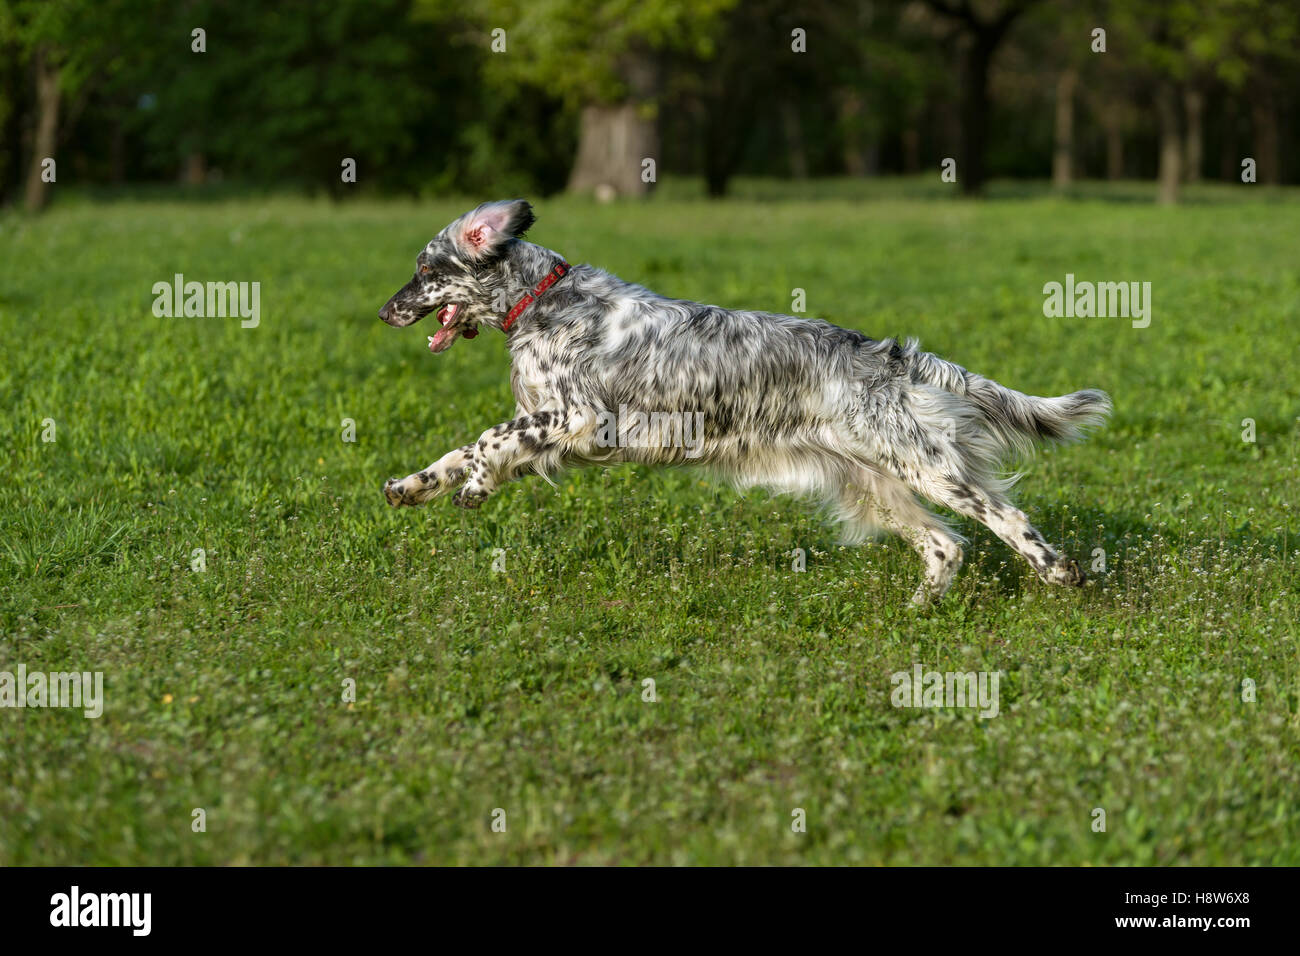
447,272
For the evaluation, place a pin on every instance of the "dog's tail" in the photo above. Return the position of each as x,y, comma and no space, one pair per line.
1020,422
1016,421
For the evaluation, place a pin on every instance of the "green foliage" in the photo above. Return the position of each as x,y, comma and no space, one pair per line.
415,93
579,48
523,690
283,93
1184,38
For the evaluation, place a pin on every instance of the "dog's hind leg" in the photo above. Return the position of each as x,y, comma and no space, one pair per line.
880,502
991,508
951,459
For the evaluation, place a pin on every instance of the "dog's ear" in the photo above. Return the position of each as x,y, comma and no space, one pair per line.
482,233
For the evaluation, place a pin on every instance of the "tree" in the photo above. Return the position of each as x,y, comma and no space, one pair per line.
65,44
1055,44
881,69
983,27
728,99
604,58
1180,46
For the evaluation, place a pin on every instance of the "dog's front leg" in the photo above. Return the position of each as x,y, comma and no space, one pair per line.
504,451
438,479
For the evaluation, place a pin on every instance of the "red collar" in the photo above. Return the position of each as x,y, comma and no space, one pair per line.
552,277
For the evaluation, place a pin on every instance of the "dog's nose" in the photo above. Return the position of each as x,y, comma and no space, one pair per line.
386,312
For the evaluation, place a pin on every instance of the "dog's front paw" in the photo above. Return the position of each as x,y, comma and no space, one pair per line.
395,492
924,597
469,496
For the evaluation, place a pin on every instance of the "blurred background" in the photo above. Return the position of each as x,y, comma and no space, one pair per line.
489,97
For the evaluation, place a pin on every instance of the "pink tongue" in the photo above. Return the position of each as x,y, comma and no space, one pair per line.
441,339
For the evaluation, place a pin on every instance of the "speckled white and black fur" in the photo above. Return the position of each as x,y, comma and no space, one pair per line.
793,405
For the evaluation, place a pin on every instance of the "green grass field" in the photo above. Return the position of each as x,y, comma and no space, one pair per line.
521,689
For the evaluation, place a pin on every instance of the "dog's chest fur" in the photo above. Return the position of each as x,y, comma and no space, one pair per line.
576,358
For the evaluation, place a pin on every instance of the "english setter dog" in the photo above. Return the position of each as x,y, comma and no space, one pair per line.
785,403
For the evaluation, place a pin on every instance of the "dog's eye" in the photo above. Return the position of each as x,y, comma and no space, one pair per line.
424,269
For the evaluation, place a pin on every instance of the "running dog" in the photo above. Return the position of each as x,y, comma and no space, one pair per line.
868,427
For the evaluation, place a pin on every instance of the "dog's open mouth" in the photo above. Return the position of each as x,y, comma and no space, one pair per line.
447,334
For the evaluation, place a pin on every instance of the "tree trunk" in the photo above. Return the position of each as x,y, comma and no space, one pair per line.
794,142
726,120
974,114
1263,121
1063,156
721,155
985,36
911,150
1194,109
871,155
613,143
856,162
195,170
615,139
1171,145
117,153
1114,149
37,192
1229,158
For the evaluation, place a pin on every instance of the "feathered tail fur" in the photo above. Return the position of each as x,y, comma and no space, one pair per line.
1017,422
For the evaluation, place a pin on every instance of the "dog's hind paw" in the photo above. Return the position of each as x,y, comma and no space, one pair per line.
1067,572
